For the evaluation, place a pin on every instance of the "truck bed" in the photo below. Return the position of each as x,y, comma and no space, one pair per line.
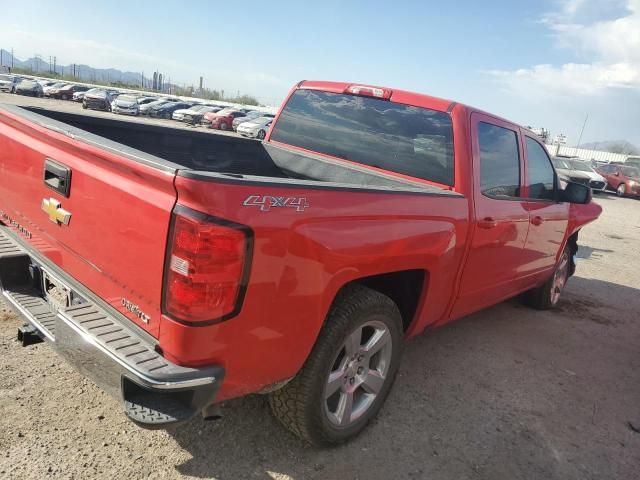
181,149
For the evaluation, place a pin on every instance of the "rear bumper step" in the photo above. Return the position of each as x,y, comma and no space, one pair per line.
102,344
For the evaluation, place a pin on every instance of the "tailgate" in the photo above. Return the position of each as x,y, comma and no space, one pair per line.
109,231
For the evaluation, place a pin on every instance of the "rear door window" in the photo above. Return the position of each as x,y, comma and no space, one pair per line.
409,140
499,161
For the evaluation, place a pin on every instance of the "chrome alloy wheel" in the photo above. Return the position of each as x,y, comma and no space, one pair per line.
560,278
358,373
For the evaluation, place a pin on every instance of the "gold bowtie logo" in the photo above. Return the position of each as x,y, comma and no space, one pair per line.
56,214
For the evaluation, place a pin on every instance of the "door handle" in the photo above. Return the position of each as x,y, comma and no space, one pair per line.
537,220
57,177
487,222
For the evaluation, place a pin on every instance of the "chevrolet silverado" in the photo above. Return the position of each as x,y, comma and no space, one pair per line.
179,269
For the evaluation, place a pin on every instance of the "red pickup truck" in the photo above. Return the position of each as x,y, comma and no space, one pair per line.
178,269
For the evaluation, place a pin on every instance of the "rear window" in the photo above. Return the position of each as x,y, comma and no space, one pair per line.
409,140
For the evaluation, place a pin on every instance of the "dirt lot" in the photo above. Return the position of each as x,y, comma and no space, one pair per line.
507,393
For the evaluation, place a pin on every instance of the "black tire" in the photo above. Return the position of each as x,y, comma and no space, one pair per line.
64,97
543,297
621,190
223,126
84,105
261,135
301,404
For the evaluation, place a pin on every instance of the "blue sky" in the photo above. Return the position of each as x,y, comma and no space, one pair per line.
544,63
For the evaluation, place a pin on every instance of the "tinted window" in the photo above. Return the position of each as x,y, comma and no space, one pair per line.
400,138
541,174
499,161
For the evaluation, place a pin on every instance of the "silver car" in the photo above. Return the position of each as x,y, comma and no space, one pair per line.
8,83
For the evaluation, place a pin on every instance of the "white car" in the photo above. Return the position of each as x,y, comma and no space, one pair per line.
8,83
256,128
179,114
126,105
597,182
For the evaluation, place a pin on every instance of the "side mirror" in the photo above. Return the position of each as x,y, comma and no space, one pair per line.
617,174
576,193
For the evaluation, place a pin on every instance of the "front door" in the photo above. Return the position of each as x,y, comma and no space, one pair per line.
549,218
501,216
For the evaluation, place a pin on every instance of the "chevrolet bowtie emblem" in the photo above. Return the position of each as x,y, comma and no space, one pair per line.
56,214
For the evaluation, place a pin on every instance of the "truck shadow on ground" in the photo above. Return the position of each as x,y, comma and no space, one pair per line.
505,393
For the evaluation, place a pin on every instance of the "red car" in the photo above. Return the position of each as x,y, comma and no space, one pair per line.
179,269
222,120
623,179
66,92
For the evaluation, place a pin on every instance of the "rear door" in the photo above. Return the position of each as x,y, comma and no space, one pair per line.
501,216
549,218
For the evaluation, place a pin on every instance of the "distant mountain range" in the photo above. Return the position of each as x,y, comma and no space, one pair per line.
82,72
615,146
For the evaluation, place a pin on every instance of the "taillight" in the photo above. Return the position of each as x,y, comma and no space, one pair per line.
383,93
206,269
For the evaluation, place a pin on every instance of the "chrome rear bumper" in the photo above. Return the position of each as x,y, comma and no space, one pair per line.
102,344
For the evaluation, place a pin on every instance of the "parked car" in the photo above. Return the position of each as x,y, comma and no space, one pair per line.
145,100
621,178
179,114
99,99
79,96
224,119
47,83
248,117
29,87
66,92
596,181
126,105
146,107
200,268
567,173
47,90
166,109
256,128
9,83
195,117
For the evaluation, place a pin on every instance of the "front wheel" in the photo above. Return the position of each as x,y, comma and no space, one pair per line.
224,126
548,295
261,135
348,374
64,97
84,105
621,190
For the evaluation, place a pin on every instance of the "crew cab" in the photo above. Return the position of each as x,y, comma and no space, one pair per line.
179,269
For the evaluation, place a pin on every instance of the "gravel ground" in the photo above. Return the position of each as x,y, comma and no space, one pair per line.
507,393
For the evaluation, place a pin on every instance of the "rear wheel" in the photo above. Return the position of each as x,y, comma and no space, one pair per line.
84,105
349,373
548,295
64,97
621,190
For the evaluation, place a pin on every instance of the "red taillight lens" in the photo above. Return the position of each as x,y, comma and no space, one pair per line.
206,268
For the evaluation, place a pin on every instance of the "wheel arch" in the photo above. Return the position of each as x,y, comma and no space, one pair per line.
406,288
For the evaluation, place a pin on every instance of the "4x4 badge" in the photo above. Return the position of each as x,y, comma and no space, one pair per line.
56,214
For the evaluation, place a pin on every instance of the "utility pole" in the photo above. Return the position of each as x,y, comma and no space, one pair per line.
54,64
11,58
582,131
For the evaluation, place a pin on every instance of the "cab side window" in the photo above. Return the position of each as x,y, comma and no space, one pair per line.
499,161
542,177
